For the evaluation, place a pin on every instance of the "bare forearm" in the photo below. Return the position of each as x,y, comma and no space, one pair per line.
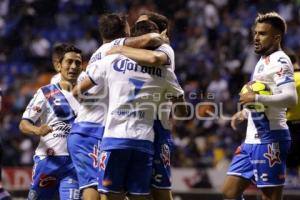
28,128
82,87
150,40
145,57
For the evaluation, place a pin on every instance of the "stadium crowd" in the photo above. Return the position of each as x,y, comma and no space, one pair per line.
213,50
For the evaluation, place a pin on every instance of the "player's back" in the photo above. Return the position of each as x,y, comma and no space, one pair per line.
134,95
93,107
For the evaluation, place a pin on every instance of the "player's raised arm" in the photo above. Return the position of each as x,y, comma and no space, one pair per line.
141,56
149,40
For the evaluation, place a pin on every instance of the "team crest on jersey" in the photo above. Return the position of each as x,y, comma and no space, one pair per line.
281,72
103,157
47,181
273,154
165,154
94,155
50,152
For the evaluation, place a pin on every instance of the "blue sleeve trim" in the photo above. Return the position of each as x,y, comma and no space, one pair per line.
92,79
289,81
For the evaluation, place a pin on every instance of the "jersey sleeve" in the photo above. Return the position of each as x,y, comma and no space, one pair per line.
118,42
167,49
36,107
284,72
81,77
173,87
97,72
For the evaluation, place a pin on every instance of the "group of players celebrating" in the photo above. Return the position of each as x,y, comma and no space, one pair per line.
104,136
104,141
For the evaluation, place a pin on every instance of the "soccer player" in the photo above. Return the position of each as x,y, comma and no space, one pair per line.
293,120
87,130
49,115
4,195
126,157
262,156
162,56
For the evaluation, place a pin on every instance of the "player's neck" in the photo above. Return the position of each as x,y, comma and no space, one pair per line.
271,50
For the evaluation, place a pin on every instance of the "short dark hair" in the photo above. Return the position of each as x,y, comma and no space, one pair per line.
144,27
68,48
112,26
58,50
160,20
274,19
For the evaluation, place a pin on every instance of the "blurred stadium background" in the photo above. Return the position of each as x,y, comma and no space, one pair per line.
214,58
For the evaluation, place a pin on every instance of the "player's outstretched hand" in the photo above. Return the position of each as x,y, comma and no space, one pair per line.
238,118
43,130
248,97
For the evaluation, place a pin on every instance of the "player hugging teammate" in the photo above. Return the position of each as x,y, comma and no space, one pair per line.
97,137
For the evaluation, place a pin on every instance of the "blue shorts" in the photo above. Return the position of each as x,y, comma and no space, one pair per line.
163,145
53,174
84,151
125,170
264,164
